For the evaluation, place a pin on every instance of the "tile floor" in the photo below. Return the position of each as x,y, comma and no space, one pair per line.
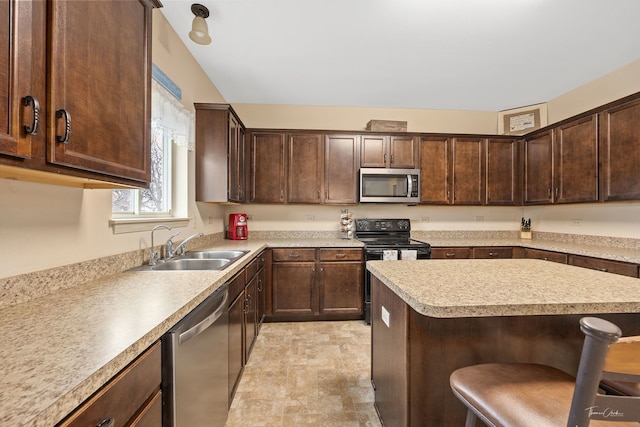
307,374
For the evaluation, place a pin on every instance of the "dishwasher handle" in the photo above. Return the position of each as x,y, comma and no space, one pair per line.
206,322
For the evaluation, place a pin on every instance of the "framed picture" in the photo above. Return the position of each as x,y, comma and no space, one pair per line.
522,120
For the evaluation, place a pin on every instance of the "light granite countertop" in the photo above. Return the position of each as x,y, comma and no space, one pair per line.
59,348
506,287
591,250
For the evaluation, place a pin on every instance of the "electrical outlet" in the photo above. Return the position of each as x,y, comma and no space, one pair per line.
576,222
310,217
424,219
249,217
479,218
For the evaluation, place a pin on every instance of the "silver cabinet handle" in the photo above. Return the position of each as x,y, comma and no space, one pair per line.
341,255
107,422
35,125
450,255
601,269
494,254
64,139
294,255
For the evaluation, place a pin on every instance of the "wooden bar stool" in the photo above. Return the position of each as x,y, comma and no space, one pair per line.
532,395
621,358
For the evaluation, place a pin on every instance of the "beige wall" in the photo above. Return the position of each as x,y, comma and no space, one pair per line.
43,226
346,118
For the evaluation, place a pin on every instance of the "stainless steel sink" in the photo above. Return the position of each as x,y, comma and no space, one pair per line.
193,264
208,254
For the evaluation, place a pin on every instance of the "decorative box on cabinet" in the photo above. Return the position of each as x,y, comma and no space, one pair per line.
131,398
78,143
219,154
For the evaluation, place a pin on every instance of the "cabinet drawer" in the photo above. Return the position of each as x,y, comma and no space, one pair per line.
340,255
292,254
251,269
151,415
615,267
545,255
492,253
124,395
450,253
236,285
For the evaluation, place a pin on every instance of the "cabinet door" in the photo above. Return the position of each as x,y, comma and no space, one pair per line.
605,265
492,253
404,152
341,161
236,342
340,288
545,255
22,68
99,87
576,171
261,299
293,289
467,180
502,172
235,167
620,152
304,168
250,316
434,170
538,169
267,168
373,152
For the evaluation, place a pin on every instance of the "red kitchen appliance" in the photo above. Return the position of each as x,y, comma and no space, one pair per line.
238,226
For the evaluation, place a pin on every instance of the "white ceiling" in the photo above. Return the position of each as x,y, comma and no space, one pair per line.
487,55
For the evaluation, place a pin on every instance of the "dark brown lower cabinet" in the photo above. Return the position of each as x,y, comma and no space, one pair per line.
544,255
450,253
492,253
236,344
615,267
250,316
131,398
310,284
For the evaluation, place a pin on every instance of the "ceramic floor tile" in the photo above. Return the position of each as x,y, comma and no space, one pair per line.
307,374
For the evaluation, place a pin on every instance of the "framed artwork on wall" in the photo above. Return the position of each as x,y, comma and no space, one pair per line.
523,120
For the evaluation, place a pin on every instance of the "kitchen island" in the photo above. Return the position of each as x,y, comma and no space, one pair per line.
430,317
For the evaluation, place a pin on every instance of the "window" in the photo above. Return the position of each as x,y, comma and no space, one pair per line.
171,124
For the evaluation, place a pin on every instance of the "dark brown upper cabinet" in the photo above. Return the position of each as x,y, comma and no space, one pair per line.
94,58
305,168
267,167
219,154
379,151
452,170
620,152
467,178
22,72
434,170
561,164
502,172
341,161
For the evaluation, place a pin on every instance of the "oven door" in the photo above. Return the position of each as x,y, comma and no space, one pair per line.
373,254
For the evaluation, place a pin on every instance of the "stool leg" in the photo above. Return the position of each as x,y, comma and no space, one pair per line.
471,419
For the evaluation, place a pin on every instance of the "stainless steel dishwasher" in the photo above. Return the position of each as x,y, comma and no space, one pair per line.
195,365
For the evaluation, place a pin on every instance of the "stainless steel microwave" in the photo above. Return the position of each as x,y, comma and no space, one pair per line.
379,185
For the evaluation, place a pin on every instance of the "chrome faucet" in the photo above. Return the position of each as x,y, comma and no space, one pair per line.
179,250
155,256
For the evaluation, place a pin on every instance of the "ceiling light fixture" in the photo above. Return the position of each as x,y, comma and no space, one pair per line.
199,29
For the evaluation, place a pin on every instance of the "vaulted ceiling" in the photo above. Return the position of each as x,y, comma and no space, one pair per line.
487,55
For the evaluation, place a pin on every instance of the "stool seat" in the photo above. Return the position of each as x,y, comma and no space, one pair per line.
623,357
519,394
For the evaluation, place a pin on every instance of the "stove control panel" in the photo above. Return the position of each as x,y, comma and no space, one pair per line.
383,225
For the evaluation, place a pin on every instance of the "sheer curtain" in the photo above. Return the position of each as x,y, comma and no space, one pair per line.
168,116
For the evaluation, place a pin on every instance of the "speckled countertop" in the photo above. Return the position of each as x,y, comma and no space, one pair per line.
507,287
58,349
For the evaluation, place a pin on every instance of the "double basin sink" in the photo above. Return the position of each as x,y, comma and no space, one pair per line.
200,260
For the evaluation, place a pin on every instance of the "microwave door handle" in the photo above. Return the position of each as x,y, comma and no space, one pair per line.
409,185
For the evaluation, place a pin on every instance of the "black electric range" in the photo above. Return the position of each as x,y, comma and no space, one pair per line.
387,239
